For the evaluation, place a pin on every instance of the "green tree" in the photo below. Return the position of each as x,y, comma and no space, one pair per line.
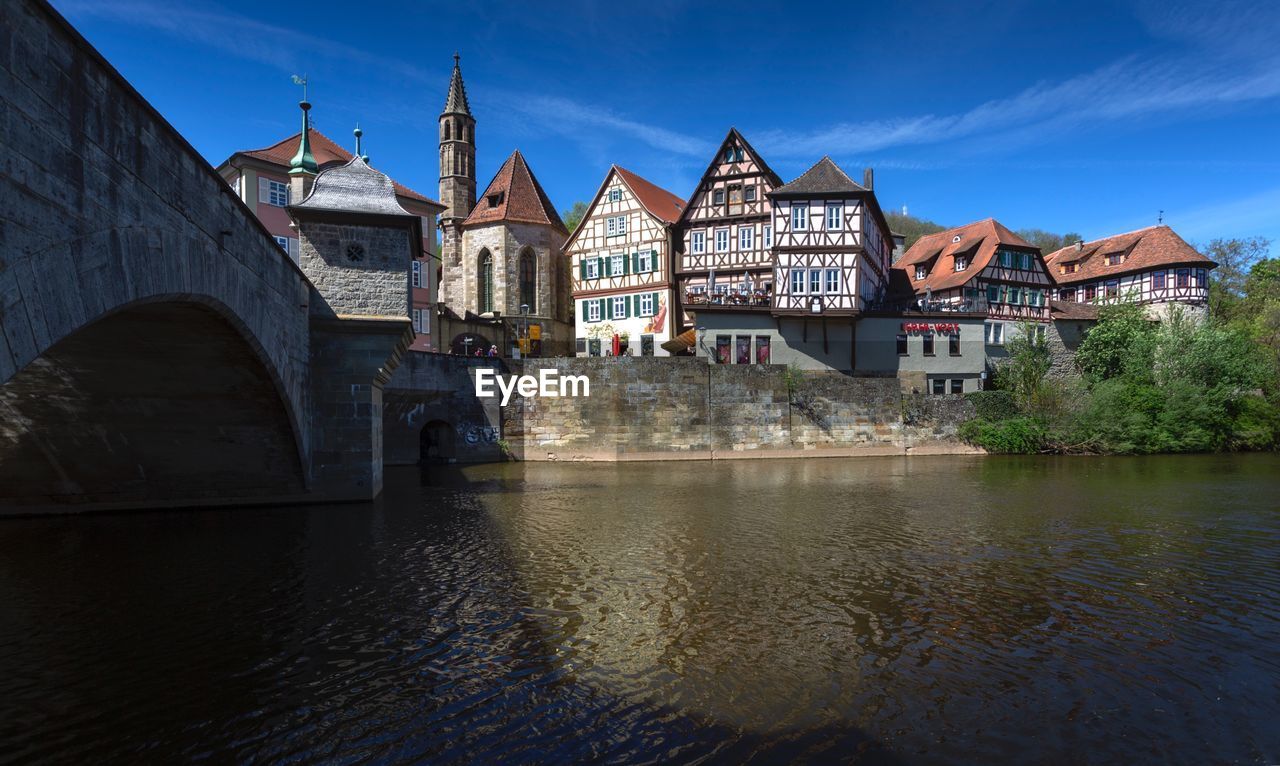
1024,372
1047,241
573,216
1118,342
911,227
1235,259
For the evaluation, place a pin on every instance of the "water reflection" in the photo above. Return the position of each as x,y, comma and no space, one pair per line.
878,610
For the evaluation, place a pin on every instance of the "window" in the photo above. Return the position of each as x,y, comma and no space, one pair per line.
1183,277
717,197
422,320
1113,288
1115,259
1090,292
833,281
283,242
1040,333
646,304
1015,295
928,344
593,347
746,238
800,217
617,264
495,199
417,274
1202,277
835,217
698,242
646,345
953,344
615,195
768,236
619,307
957,385
1068,268
733,154
921,272
1068,294
749,194
962,263
815,281
593,312
277,193
580,345
1025,261
722,348
902,345
797,281
939,386
722,240
744,349
644,261
994,333
485,282
529,281
735,199
993,293
1157,280
591,268
616,226
762,349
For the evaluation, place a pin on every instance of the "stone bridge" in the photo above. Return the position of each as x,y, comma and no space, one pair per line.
157,348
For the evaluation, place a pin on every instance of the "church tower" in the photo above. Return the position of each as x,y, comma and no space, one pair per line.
457,183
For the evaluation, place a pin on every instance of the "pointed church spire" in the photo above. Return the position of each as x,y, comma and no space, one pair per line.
304,161
456,103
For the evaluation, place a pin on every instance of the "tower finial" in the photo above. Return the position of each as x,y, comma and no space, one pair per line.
304,162
456,102
358,134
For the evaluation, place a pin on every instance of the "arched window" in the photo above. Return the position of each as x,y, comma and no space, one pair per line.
529,281
470,131
446,130
485,282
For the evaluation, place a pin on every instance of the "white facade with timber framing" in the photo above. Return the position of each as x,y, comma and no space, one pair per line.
982,267
621,264
725,251
1153,266
831,245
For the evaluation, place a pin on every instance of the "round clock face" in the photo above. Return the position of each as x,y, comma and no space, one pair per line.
355,252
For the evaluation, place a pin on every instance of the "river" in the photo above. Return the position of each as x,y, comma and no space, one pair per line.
874,610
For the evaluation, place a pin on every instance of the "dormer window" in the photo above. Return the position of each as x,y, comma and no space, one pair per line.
955,239
921,272
495,199
1068,268
1114,259
733,154
962,263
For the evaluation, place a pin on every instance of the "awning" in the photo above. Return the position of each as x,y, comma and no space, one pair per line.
681,343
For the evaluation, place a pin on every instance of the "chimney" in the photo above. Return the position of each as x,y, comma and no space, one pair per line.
1079,245
869,179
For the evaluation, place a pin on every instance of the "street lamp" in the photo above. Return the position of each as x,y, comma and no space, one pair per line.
702,341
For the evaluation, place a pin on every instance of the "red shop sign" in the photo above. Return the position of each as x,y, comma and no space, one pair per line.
935,327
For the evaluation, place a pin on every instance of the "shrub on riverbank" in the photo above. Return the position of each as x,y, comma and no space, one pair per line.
1145,387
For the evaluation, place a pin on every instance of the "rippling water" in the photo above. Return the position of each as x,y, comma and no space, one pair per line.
927,610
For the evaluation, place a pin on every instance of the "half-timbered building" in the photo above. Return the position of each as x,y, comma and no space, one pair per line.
620,257
725,249
1153,266
982,267
831,244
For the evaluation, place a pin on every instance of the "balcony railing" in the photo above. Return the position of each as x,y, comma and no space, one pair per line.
732,298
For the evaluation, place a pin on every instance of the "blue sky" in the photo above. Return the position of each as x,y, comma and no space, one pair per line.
1079,116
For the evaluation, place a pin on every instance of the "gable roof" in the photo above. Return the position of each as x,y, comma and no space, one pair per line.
519,198
1072,310
657,200
355,188
326,151
1148,248
824,177
979,241
732,136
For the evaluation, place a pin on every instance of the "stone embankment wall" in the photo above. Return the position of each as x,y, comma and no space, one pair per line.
662,408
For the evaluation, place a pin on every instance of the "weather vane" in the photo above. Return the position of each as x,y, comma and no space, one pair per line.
303,82
1160,218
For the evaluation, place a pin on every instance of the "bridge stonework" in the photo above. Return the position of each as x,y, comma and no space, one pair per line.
156,346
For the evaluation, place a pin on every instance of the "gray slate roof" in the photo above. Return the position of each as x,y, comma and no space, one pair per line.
456,101
354,187
823,178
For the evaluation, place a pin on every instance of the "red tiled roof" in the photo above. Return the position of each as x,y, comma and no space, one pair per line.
326,152
518,197
979,241
655,199
1072,310
1150,248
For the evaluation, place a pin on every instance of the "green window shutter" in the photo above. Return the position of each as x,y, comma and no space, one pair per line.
582,268
635,263
653,261
604,267
654,313
630,309
584,311
604,308
626,264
